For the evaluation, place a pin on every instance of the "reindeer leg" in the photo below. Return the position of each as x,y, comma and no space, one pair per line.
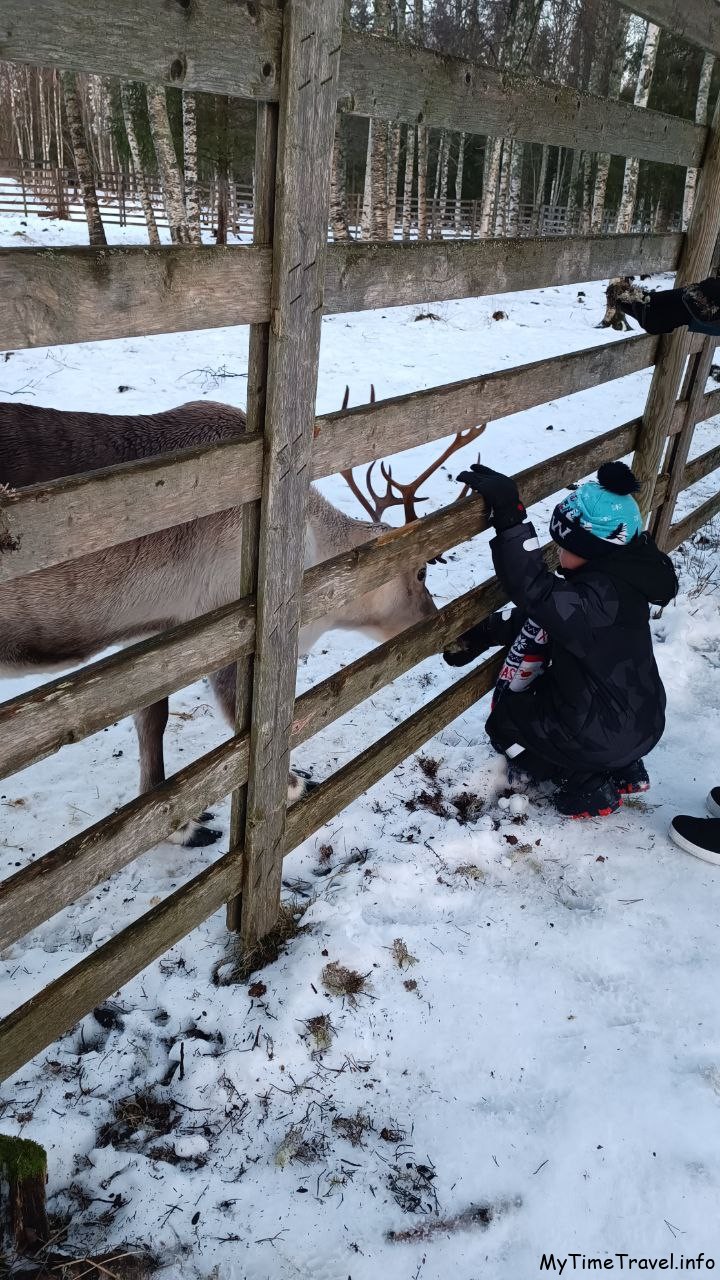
150,725
224,684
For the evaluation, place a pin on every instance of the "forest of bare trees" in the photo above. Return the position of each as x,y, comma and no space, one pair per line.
408,181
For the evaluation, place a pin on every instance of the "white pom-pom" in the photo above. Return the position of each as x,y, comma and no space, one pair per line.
504,802
518,806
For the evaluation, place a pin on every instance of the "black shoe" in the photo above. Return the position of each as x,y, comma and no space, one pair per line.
698,836
712,803
596,797
633,779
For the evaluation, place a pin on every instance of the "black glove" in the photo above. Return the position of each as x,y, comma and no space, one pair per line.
471,644
500,493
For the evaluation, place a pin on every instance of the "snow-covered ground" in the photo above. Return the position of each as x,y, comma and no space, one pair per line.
532,1063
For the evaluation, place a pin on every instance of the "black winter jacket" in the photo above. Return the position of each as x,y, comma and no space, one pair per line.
601,701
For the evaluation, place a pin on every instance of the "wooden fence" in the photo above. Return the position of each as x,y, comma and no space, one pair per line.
298,65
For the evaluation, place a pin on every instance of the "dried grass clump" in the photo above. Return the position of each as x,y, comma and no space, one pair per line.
237,966
341,981
353,1128
401,955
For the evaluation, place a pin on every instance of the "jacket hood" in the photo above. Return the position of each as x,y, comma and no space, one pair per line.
642,566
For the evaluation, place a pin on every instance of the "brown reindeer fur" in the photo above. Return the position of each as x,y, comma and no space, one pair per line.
61,616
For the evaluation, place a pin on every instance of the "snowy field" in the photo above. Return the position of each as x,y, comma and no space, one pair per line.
532,1063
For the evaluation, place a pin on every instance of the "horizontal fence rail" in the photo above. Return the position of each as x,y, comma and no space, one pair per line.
697,21
393,81
235,49
53,296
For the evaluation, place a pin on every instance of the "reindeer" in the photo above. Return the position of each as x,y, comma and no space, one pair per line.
58,617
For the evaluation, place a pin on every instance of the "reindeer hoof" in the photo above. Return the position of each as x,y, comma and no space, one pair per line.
201,837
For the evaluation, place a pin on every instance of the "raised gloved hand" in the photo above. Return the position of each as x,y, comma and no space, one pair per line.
471,643
500,493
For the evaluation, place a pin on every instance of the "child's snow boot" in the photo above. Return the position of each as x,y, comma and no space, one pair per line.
634,779
592,796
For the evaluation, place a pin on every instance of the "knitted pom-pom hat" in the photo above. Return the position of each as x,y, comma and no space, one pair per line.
599,514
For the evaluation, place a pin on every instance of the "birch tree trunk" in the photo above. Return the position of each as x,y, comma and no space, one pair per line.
459,170
441,168
701,118
408,186
143,189
167,165
57,107
503,188
223,168
642,93
422,169
367,218
339,220
597,217
512,221
540,191
380,144
73,111
493,154
393,174
422,138
190,165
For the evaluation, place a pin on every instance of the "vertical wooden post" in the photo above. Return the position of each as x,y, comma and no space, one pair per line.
695,263
680,444
266,137
312,32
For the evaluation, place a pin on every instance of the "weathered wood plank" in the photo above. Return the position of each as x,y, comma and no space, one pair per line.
35,724
265,178
392,81
56,296
697,257
60,877
215,46
47,524
84,295
308,102
56,1008
332,796
710,405
685,528
363,276
680,443
700,467
351,437
219,47
697,21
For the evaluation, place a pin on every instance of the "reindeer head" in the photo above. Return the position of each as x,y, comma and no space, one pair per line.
404,600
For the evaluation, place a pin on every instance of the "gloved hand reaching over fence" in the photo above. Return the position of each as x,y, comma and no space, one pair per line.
505,509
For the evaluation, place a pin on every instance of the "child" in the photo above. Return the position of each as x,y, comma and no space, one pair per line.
579,699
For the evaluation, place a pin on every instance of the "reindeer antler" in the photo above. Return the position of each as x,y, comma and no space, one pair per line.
396,493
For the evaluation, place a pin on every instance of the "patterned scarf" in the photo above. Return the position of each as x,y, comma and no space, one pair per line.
525,661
